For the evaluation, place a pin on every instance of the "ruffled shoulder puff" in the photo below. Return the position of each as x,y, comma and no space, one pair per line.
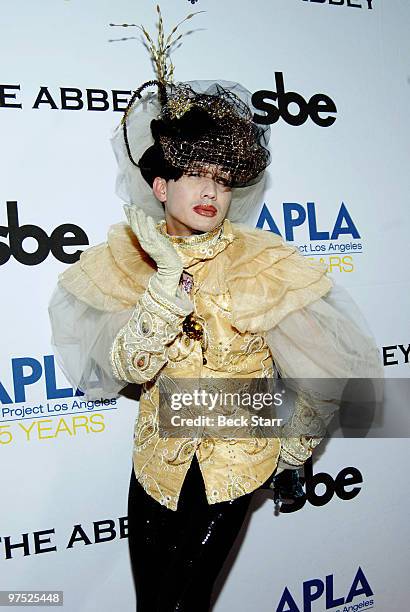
266,278
112,275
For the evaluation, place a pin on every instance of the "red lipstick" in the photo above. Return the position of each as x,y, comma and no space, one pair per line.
206,210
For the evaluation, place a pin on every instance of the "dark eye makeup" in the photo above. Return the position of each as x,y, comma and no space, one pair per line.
225,182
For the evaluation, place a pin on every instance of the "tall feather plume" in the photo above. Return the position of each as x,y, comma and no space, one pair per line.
160,50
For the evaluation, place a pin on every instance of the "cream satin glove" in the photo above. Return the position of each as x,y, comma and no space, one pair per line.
168,261
140,348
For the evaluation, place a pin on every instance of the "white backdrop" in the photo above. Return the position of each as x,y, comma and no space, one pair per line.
64,469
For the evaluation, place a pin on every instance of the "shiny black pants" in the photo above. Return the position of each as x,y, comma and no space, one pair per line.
177,555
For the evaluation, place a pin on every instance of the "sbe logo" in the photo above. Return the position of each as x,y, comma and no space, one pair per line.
64,235
349,3
346,478
319,104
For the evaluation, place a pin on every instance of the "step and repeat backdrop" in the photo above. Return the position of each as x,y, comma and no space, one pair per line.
332,78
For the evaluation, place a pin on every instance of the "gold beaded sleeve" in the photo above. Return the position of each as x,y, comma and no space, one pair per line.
305,430
140,348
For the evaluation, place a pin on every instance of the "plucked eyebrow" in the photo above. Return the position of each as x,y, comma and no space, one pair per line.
225,179
214,174
223,175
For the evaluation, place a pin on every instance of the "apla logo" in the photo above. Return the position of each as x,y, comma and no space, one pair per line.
334,247
28,372
316,588
64,412
296,215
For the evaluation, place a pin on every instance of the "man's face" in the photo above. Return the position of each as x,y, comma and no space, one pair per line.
197,202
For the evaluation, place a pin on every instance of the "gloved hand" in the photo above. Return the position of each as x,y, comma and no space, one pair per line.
286,486
168,261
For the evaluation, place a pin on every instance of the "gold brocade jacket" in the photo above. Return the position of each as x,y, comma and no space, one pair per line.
244,282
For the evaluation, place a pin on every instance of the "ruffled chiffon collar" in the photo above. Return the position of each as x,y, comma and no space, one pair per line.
199,247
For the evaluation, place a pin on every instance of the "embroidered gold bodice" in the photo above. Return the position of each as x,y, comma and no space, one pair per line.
242,283
229,468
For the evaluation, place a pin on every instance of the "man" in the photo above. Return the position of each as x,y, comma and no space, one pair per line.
195,296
